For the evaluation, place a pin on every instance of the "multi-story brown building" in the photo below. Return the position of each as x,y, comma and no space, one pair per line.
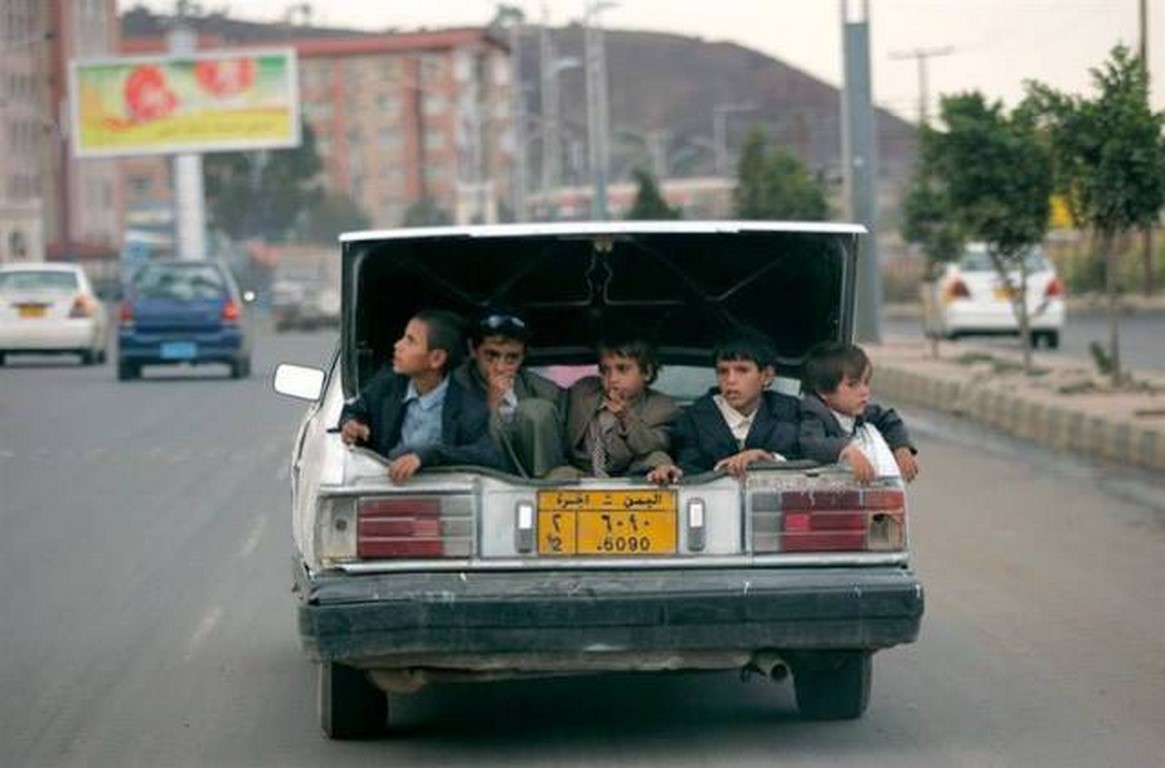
51,202
397,118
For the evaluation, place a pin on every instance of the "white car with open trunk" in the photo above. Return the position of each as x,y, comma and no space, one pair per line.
465,573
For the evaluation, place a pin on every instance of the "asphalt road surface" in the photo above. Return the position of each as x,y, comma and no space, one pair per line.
146,620
1142,338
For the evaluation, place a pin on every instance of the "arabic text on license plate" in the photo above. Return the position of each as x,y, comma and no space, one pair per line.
607,523
32,310
179,350
1004,294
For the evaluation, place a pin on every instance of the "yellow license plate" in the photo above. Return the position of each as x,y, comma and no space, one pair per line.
1006,294
32,310
607,523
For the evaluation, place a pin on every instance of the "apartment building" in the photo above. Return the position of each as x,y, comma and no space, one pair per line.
51,203
397,118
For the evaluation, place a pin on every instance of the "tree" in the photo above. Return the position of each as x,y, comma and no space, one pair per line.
774,184
649,203
997,175
262,194
335,213
928,222
1109,155
426,213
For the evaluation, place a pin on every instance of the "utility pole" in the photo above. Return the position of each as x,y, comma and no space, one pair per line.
921,57
1150,280
861,166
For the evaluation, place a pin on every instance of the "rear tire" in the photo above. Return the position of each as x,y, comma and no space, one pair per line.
350,706
833,685
87,357
127,371
241,368
1,358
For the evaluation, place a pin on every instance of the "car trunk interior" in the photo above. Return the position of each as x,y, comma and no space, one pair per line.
682,290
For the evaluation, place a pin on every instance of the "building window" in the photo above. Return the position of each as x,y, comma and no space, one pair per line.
435,140
388,104
435,104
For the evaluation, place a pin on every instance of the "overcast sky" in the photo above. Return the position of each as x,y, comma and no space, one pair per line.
994,44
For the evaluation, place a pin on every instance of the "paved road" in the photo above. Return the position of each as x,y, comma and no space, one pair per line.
1142,337
145,617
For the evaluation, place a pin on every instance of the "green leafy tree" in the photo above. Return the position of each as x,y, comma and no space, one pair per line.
929,223
649,203
426,212
997,175
334,214
1109,156
262,194
774,184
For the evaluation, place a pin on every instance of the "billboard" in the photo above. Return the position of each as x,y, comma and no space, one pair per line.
206,102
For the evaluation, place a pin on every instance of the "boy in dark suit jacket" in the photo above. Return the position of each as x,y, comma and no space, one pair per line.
836,402
415,414
740,422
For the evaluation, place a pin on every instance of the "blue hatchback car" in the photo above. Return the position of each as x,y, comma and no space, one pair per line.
182,312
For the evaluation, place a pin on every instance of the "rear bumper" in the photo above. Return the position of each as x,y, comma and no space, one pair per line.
146,347
967,317
363,617
70,335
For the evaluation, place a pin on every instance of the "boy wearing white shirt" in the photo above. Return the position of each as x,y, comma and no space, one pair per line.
837,403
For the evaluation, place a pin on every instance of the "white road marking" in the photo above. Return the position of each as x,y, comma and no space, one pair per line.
253,540
205,627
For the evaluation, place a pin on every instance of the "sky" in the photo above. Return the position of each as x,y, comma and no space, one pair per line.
992,46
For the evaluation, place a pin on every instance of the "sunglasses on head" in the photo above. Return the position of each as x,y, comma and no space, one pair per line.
493,322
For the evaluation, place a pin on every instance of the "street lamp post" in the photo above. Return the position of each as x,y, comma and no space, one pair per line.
598,121
720,114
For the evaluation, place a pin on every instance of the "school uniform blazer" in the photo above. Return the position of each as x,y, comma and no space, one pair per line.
637,448
822,438
464,422
527,385
703,437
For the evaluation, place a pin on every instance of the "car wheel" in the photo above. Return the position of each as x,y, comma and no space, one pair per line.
100,357
833,685
127,370
1,358
1052,339
241,368
87,357
350,706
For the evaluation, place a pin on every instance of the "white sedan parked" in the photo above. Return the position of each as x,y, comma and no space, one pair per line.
974,300
50,309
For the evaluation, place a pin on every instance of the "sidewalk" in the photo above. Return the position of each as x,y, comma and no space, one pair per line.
1066,405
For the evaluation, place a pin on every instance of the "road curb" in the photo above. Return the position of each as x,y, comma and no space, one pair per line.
1059,426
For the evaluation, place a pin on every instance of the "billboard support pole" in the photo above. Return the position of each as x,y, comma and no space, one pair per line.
189,196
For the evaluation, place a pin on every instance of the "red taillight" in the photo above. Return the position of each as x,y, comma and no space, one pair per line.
957,289
1055,289
230,311
83,306
851,520
125,313
414,526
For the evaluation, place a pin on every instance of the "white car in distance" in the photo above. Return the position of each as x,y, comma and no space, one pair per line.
974,300
50,308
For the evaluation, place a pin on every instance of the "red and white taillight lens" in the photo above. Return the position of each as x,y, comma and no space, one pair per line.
125,314
1055,289
957,289
414,526
231,312
83,306
848,520
350,529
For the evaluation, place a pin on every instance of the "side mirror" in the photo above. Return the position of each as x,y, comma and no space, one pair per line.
299,381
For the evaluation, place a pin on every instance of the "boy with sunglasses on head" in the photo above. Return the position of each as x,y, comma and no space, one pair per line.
836,406
527,411
740,422
413,413
617,424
